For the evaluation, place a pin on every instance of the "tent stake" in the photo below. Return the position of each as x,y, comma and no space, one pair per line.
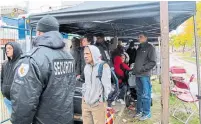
164,24
197,51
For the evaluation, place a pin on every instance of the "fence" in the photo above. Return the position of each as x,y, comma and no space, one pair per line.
4,118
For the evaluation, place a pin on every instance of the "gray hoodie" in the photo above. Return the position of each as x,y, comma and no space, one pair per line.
92,88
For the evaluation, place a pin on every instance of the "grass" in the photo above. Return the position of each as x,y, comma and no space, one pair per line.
187,57
156,109
174,102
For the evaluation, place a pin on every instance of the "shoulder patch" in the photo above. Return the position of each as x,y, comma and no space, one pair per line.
23,70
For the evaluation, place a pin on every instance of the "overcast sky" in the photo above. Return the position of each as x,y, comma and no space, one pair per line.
42,5
38,5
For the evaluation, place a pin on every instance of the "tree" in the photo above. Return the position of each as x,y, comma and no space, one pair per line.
186,38
173,42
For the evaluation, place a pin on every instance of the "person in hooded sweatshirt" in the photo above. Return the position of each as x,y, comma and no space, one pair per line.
13,52
43,87
95,91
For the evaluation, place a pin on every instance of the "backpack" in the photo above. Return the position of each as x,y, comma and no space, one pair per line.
114,80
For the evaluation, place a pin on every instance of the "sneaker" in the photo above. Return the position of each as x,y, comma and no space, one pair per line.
113,103
122,102
145,117
138,115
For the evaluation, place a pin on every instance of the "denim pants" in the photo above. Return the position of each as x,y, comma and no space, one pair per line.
8,105
143,94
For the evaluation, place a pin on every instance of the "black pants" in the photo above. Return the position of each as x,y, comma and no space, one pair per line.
123,89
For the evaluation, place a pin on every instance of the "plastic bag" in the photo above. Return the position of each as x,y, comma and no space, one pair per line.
132,80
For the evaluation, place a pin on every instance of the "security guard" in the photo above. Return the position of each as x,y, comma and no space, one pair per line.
43,87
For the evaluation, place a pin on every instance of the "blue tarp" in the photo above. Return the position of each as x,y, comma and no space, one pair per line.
10,21
121,18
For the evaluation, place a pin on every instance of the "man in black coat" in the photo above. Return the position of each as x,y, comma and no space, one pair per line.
144,63
43,87
103,46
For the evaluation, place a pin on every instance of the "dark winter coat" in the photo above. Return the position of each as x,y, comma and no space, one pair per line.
43,87
145,60
8,72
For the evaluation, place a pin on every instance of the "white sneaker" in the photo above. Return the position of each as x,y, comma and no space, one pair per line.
122,102
113,103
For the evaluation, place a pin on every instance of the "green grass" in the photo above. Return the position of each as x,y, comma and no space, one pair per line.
190,59
174,102
185,54
156,109
187,57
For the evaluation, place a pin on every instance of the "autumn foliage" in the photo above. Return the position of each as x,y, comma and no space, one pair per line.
186,38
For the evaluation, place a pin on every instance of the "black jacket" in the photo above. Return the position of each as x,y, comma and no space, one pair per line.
132,55
80,62
43,87
7,72
145,60
104,50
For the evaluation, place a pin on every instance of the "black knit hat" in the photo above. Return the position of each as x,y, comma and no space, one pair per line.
89,37
143,33
47,23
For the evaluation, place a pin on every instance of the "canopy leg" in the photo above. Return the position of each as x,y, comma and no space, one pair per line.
164,24
197,51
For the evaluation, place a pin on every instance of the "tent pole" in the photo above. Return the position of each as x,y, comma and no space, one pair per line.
164,25
31,37
159,49
197,51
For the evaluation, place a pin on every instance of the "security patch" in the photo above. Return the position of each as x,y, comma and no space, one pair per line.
63,67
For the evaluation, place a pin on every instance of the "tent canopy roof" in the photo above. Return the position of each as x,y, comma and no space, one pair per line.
120,18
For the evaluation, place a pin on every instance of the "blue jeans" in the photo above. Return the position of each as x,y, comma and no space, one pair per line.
143,94
8,105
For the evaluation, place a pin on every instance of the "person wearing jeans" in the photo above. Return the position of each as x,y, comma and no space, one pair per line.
144,63
143,94
8,105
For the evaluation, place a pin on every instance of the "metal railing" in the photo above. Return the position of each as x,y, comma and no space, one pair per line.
5,116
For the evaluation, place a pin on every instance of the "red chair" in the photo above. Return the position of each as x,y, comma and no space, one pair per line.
188,100
176,74
182,86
